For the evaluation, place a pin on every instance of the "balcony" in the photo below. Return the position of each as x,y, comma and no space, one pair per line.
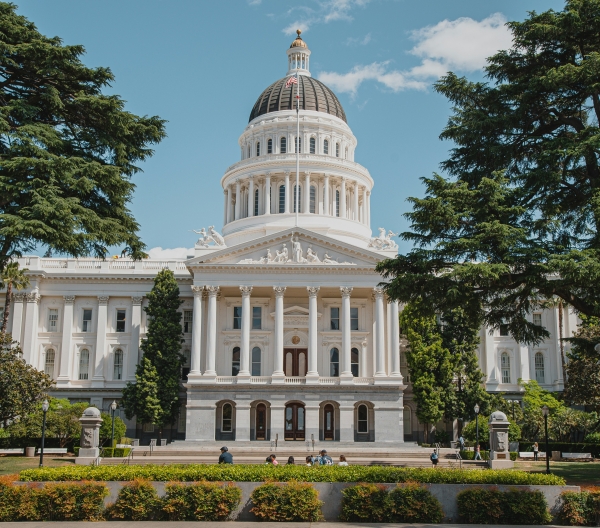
288,380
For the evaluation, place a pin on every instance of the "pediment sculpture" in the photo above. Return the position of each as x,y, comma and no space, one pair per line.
383,241
206,238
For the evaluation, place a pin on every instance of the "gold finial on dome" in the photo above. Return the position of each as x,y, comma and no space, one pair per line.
298,43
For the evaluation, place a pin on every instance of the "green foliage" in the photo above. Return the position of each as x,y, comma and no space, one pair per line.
12,277
365,502
470,430
263,473
592,438
491,506
583,375
22,387
106,428
580,508
154,398
137,501
516,223
290,502
201,501
117,452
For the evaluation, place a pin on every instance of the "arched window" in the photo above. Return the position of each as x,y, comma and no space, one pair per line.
84,364
282,145
337,150
256,361
49,363
334,363
235,361
505,364
256,193
337,203
258,148
227,418
282,198
297,199
298,144
354,356
118,365
363,419
540,375
313,145
270,146
185,369
326,147
313,199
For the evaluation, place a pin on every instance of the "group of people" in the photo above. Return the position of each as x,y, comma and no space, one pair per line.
323,459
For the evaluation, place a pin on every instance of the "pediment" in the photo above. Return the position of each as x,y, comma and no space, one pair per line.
291,247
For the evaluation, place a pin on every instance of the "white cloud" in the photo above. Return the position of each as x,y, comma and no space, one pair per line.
327,11
352,41
159,253
460,45
254,2
291,29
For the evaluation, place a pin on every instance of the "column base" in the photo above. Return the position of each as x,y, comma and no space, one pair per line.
242,378
385,380
63,382
278,378
312,379
194,378
346,379
97,383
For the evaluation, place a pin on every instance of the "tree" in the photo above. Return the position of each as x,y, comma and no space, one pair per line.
470,430
534,398
154,398
67,151
12,277
516,222
22,387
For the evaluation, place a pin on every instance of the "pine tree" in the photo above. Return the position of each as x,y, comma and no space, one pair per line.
12,277
154,398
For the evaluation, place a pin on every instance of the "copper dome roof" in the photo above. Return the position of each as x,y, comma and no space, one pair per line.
314,95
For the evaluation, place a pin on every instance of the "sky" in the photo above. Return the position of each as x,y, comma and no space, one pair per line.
201,65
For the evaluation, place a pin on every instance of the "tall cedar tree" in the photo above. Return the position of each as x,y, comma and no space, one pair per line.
67,152
154,398
518,220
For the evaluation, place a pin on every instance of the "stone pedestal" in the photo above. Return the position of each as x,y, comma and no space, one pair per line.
89,451
499,453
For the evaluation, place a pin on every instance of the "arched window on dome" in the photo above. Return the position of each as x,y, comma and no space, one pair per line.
337,150
258,148
283,145
313,145
313,199
242,153
298,144
299,200
256,194
326,147
337,203
282,198
270,146
248,150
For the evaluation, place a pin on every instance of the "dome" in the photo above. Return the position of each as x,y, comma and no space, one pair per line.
298,43
314,95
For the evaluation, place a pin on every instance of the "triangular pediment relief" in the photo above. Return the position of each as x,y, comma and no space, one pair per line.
291,247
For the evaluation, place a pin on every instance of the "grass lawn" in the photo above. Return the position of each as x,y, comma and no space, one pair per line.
575,473
10,465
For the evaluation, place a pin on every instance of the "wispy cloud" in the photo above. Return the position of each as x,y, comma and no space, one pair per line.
254,2
326,11
360,41
460,45
165,254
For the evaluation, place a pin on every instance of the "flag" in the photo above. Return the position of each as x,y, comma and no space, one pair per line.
290,81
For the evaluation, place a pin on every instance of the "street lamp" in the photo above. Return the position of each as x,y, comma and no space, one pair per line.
476,427
546,412
45,407
113,408
512,402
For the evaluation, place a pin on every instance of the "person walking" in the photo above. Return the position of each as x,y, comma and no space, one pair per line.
461,443
291,461
325,459
477,453
535,451
343,461
434,458
225,457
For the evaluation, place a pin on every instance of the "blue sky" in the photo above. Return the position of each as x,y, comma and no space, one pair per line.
201,65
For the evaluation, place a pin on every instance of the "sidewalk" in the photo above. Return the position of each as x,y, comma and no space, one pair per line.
144,524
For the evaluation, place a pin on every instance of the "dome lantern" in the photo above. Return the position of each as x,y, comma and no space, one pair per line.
298,57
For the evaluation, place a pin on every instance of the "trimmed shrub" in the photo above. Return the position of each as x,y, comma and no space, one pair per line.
265,473
365,503
114,452
202,501
291,502
15,501
412,503
137,501
592,438
481,506
580,508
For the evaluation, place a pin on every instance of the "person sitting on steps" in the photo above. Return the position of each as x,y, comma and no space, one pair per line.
226,457
434,458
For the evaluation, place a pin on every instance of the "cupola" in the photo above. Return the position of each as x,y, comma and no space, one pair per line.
298,57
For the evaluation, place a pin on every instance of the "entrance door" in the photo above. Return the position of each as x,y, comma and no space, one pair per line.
294,421
295,361
328,422
261,421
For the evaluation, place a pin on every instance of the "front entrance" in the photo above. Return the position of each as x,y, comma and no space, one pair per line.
295,361
261,421
294,421
328,422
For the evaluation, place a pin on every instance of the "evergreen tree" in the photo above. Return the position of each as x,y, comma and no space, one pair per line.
154,398
12,277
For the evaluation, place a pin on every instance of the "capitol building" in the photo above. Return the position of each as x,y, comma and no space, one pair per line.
286,332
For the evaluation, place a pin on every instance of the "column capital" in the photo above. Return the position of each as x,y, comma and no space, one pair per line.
33,297
246,290
103,300
137,300
279,290
19,297
313,290
198,291
212,290
326,174
307,173
69,299
346,291
268,174
287,173
378,292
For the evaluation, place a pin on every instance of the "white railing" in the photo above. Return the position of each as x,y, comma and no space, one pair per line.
87,264
51,263
295,380
121,264
226,379
329,381
363,381
155,264
260,380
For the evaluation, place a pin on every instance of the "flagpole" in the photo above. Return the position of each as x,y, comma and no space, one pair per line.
297,147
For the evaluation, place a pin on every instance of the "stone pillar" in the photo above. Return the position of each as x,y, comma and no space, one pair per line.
379,333
363,359
395,339
211,331
278,422
268,194
368,222
136,323
346,422
224,206
242,421
238,200
196,332
251,197
245,341
306,208
326,195
355,206
499,445
343,199
17,316
311,421
101,328
64,375
29,344
389,421
364,206
346,374
312,376
229,199
278,374
90,437
287,193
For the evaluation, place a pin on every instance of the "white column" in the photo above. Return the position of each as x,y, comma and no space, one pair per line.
229,198
224,206
245,341
211,331
251,197
66,345
136,324
363,359
368,209
238,200
312,376
364,206
101,328
326,195
17,316
268,194
343,199
395,339
306,208
278,374
355,206
196,332
287,193
29,344
346,373
379,333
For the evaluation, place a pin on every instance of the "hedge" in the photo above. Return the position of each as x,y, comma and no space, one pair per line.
564,447
491,506
290,502
580,508
109,452
263,473
485,455
137,501
201,501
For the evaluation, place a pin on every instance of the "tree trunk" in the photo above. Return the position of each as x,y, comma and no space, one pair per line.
6,307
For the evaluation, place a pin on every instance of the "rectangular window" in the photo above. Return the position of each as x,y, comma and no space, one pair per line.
87,320
537,319
237,317
84,364
118,365
282,199
121,320
49,363
52,319
313,199
353,318
256,318
335,318
504,330
187,321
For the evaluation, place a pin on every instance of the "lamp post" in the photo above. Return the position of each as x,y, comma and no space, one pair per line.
546,412
512,402
476,426
45,407
113,408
